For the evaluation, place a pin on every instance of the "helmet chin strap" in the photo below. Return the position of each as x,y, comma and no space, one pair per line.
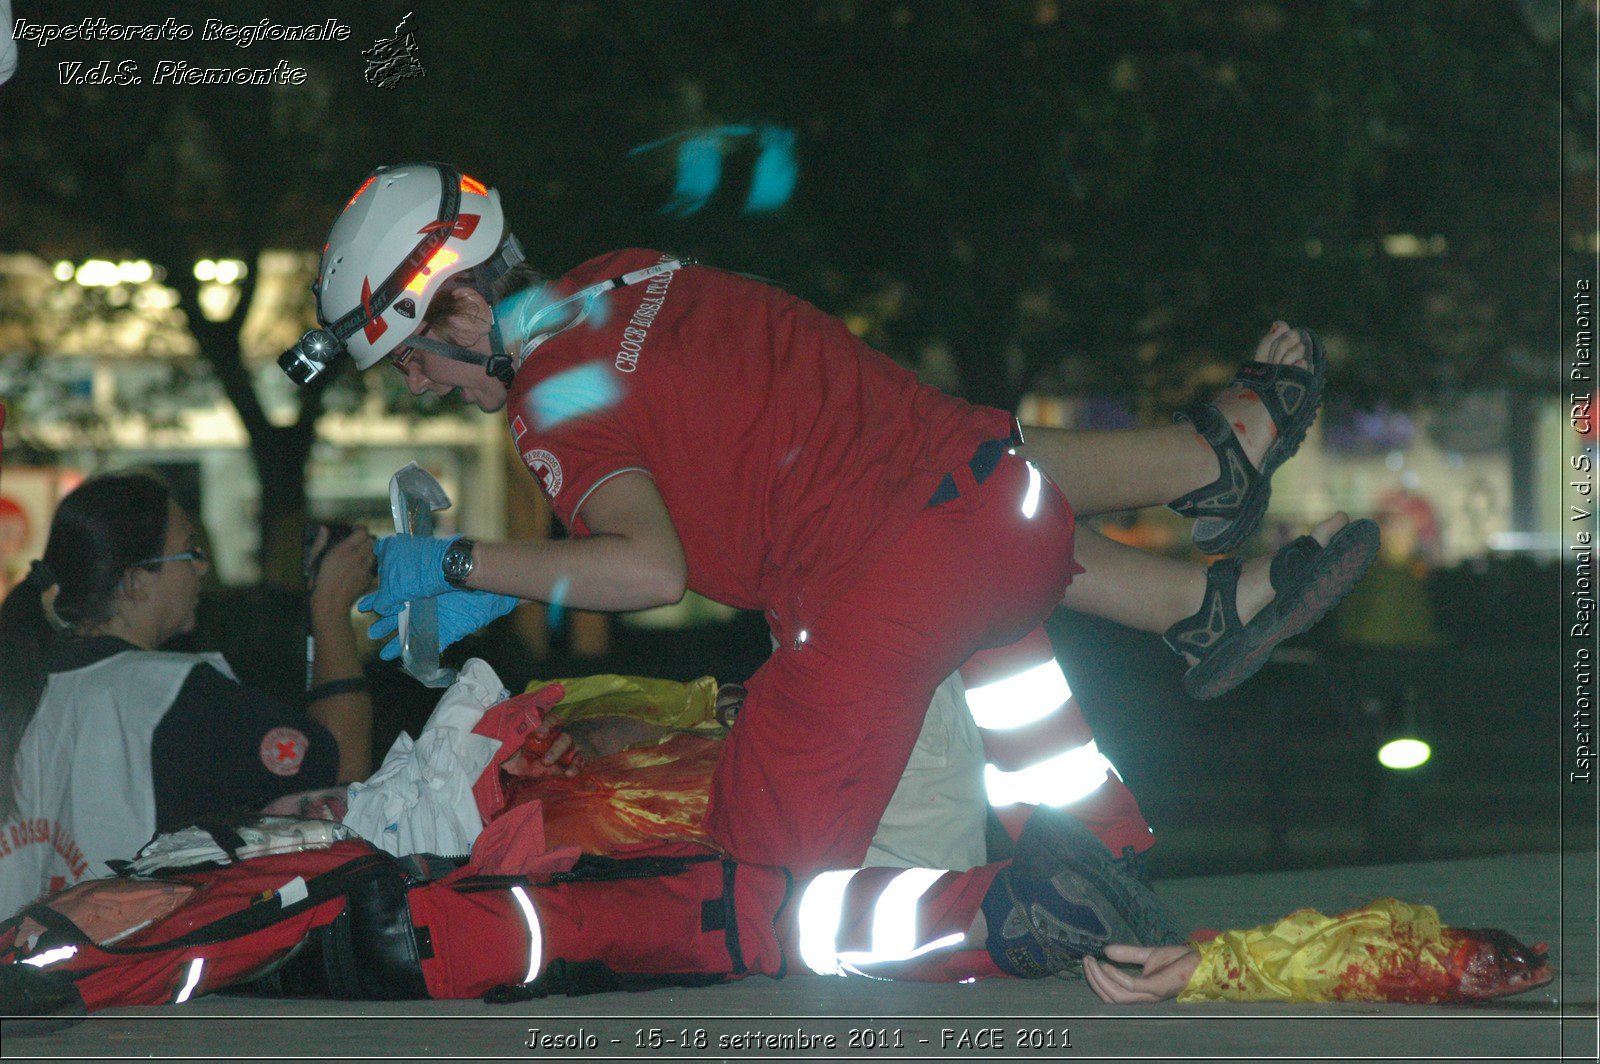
456,353
497,363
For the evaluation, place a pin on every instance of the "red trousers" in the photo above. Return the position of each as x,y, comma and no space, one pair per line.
829,723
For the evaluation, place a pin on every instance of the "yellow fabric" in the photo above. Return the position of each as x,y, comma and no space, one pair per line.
668,703
643,794
651,792
1387,950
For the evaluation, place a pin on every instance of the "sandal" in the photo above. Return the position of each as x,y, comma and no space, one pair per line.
1309,579
1227,511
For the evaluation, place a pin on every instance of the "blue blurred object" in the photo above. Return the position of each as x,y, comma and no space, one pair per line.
699,174
700,167
571,393
558,604
776,172
1351,430
533,312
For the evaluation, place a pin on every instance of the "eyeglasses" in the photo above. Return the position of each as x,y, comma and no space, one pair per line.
193,554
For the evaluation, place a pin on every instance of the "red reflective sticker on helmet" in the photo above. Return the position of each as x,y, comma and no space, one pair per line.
375,327
462,227
364,186
470,184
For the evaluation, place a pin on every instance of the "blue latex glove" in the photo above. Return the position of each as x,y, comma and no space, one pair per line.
409,567
461,612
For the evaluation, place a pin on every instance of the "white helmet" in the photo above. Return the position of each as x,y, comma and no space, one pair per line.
404,232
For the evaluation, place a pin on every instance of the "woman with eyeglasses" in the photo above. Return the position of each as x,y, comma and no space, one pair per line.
105,738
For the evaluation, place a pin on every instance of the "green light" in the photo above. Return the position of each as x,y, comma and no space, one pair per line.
1404,754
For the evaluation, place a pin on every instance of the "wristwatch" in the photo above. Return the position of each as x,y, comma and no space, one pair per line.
457,563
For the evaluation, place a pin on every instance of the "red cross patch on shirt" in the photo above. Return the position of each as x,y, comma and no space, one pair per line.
283,749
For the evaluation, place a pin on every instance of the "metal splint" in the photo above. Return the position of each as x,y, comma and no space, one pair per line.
414,496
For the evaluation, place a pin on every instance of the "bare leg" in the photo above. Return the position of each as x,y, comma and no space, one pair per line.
1102,472
1151,592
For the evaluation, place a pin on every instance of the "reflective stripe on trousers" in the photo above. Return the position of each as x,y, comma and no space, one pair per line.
837,937
1039,747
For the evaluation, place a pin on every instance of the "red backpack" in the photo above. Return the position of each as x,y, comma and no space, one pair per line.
351,921
208,927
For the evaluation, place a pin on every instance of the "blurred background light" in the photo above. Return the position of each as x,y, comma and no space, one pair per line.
98,273
1402,754
229,271
1409,246
217,301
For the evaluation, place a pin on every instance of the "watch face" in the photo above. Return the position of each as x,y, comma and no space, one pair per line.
458,561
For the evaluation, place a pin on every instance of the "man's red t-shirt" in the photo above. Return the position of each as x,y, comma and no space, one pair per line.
789,453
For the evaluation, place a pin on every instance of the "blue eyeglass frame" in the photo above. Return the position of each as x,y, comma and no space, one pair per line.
193,554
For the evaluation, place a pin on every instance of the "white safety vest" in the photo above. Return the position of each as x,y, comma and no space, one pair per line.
85,788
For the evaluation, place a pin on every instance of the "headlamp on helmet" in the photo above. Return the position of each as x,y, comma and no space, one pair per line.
308,359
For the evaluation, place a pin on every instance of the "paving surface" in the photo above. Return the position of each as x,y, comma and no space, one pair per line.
1538,897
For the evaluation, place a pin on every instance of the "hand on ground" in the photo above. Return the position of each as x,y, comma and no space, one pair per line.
1166,971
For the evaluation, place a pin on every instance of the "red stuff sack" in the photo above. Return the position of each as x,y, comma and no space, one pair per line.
655,916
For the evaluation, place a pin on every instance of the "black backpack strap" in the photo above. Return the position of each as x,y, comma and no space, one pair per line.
592,868
224,834
427,867
722,914
730,920
372,951
60,930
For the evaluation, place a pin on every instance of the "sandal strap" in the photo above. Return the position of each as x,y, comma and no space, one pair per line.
1283,389
1224,496
1218,616
1292,561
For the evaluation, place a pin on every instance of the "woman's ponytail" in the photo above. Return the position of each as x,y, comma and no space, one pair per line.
26,638
102,528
